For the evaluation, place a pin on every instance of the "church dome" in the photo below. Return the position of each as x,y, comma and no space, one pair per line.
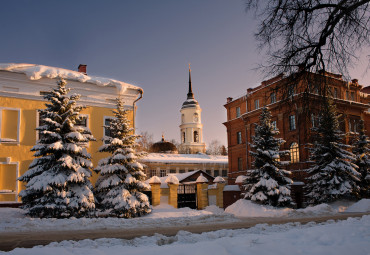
163,146
190,102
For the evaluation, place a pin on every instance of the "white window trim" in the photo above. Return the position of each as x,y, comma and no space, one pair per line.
8,162
18,124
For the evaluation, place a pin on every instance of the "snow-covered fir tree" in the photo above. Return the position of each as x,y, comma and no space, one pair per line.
332,175
362,151
119,188
58,178
268,183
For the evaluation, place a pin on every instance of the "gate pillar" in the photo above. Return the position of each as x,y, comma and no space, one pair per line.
172,197
155,184
202,192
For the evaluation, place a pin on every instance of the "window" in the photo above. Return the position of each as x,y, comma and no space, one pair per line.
172,171
335,93
216,173
183,137
273,124
209,172
313,120
237,112
256,104
294,153
292,122
9,125
153,172
347,95
196,137
273,98
182,118
291,91
107,131
8,182
181,171
353,96
163,172
238,137
224,173
82,121
240,164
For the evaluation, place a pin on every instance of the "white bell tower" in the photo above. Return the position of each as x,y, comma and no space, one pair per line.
191,128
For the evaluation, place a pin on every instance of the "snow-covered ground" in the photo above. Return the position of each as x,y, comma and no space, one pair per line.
245,208
14,220
351,236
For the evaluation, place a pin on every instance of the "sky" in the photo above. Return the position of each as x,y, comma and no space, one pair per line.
149,44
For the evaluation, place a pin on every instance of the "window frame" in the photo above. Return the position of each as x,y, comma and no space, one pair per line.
17,173
240,164
17,141
294,152
256,104
292,122
239,139
237,112
273,98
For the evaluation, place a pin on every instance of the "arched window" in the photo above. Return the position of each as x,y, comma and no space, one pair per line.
294,153
182,118
196,137
195,117
183,137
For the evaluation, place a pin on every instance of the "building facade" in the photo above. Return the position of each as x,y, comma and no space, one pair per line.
22,87
290,116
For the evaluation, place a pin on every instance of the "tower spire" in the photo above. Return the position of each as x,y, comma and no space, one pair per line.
190,93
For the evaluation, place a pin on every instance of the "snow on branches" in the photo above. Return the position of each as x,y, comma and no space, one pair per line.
268,182
58,178
119,188
332,175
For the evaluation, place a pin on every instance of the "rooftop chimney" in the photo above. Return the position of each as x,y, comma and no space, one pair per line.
229,99
82,68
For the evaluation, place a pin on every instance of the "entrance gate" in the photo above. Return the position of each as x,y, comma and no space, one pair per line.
187,196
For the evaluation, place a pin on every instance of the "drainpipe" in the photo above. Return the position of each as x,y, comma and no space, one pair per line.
133,105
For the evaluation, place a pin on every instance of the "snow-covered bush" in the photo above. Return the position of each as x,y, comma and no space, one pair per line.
58,178
120,185
268,183
332,175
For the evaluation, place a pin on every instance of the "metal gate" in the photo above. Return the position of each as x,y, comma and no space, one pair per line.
187,196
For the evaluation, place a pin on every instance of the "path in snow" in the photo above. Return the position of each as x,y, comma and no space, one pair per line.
12,240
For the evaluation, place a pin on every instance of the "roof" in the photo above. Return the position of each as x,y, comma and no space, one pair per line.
180,177
36,72
184,158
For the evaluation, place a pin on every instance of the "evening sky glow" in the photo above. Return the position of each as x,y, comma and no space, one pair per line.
148,44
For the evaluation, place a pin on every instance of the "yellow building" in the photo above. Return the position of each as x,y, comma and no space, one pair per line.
22,87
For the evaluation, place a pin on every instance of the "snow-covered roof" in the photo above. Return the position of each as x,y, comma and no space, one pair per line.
36,72
184,158
231,188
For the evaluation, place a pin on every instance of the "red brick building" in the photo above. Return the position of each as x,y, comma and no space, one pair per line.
290,116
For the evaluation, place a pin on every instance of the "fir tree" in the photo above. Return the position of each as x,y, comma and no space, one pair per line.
268,183
332,175
58,178
361,151
119,188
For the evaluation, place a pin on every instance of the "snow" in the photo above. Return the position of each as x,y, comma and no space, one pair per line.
219,179
240,179
184,158
246,208
154,179
36,72
172,179
361,206
201,179
350,236
14,220
231,188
